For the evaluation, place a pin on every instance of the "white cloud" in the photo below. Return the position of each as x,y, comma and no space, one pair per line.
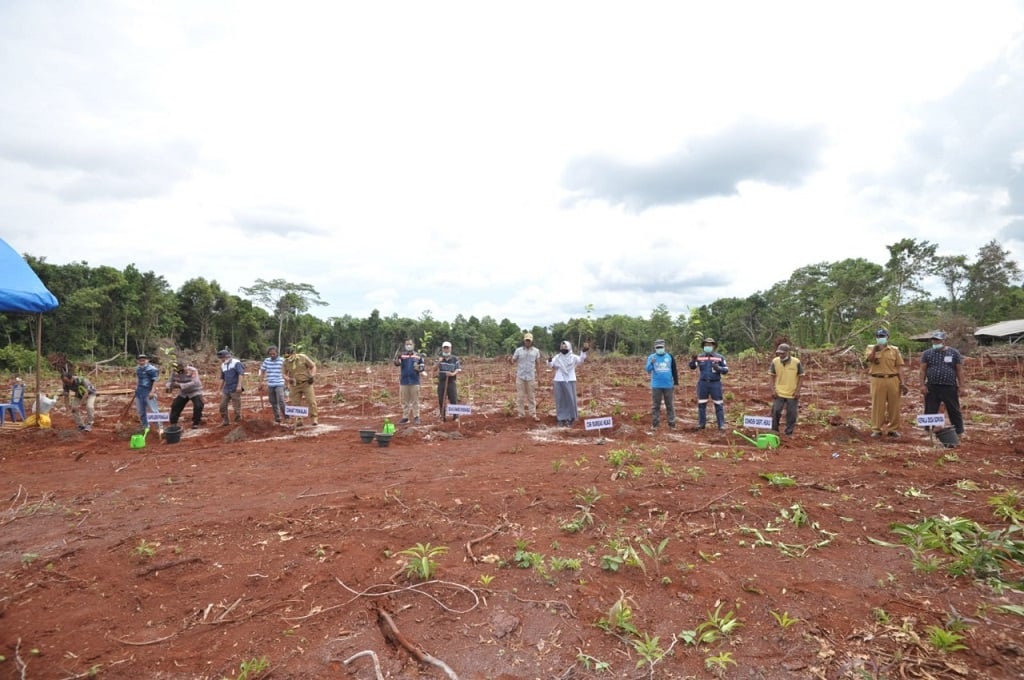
519,161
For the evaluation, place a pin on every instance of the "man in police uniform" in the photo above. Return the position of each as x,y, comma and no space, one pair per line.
300,371
885,366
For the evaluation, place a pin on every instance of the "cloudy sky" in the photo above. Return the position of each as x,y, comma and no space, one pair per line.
518,160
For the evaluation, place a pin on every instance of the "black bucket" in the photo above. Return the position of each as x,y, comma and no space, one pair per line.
172,435
948,436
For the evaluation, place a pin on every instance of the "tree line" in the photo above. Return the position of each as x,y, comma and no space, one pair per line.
106,313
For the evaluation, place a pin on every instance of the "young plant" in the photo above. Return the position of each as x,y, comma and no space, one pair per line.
719,663
525,559
656,553
592,663
145,550
619,616
421,562
253,668
649,650
778,479
945,640
784,619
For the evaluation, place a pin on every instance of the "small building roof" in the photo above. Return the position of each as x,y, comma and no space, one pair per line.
1003,329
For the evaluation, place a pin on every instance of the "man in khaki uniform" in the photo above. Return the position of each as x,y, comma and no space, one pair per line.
885,366
299,371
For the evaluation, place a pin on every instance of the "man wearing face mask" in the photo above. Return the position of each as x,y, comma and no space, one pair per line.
664,377
564,363
942,379
785,375
526,360
411,367
885,366
448,367
711,367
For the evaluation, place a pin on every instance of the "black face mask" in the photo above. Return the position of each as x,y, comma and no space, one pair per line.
564,350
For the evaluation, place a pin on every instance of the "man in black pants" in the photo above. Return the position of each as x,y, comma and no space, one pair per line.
448,367
942,379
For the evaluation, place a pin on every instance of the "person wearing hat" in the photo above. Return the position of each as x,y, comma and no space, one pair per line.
272,369
448,367
885,367
942,379
300,372
661,366
186,379
527,361
231,372
146,374
786,374
79,393
411,366
710,367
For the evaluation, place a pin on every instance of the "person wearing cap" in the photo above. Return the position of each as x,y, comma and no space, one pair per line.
564,388
272,370
448,367
185,379
527,361
710,367
231,372
885,367
786,373
411,366
661,366
146,374
79,392
300,372
942,379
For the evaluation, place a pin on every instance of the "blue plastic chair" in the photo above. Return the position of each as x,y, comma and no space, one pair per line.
17,405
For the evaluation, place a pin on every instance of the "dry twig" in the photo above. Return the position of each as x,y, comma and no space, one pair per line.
370,653
392,634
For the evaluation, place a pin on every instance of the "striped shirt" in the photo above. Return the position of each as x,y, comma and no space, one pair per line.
273,369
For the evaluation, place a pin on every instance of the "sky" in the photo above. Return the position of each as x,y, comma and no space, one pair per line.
535,161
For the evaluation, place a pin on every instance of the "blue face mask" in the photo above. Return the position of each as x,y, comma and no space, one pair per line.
709,348
938,346
881,341
660,350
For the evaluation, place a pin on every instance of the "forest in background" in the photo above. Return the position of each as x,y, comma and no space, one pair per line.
106,313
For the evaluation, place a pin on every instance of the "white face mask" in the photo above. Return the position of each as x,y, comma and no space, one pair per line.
936,346
882,341
408,348
709,348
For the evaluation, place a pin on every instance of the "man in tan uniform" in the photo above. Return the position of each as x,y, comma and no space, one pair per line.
885,366
299,371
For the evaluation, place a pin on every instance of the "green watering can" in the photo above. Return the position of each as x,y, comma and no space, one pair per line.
138,441
389,427
763,441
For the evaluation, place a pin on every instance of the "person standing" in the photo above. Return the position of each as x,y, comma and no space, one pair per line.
186,379
661,366
527,361
411,366
300,372
272,371
710,366
448,367
231,372
942,379
885,368
565,363
80,393
786,374
146,374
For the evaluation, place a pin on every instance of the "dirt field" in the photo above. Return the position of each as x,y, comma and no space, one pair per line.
562,553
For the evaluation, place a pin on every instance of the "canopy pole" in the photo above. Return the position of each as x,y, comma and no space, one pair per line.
39,368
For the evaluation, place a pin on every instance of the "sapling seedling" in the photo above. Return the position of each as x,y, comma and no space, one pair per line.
421,563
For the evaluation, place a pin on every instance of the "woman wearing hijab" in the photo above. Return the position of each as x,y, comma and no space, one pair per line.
565,363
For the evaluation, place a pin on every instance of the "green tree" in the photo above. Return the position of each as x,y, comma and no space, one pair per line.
283,299
992,275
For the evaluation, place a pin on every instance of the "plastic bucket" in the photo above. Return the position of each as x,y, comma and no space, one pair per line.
383,439
366,436
948,436
173,434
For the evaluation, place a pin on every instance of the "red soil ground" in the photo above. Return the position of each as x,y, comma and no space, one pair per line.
195,559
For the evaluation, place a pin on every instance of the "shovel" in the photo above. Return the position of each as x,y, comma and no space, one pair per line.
763,441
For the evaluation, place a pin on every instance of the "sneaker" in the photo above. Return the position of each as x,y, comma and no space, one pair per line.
195,426
894,435
403,421
876,435
225,424
455,417
88,428
654,425
698,428
315,423
671,426
238,419
536,419
416,420
81,428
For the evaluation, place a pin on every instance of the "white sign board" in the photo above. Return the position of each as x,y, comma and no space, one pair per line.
158,417
597,423
757,422
931,420
458,409
299,411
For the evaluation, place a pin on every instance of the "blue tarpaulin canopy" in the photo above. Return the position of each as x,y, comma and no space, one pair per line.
21,291
20,288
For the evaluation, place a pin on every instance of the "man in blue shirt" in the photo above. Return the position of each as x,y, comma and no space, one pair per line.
273,368
411,365
146,374
711,367
664,377
942,379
